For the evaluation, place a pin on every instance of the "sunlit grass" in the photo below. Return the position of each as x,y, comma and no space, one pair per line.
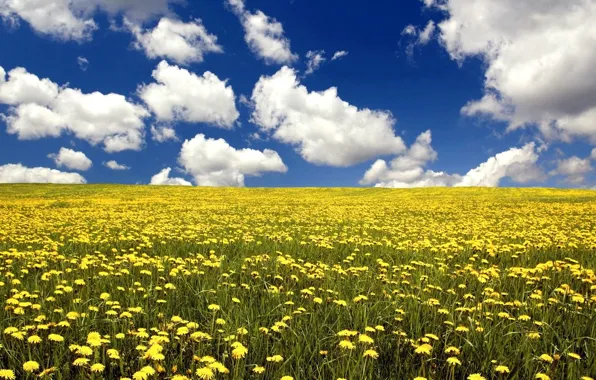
172,283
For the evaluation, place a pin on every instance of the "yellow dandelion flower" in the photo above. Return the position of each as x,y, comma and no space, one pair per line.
258,370
476,376
205,373
97,368
30,366
502,369
424,349
7,374
370,354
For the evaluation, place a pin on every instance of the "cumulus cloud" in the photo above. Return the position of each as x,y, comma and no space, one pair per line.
325,129
163,133
181,42
315,60
573,169
163,178
214,162
518,164
264,35
339,54
71,159
539,64
17,173
73,19
40,108
408,169
179,95
112,164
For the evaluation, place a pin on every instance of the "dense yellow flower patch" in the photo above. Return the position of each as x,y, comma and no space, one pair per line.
196,283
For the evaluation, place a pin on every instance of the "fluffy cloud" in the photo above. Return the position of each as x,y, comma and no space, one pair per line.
163,178
163,134
214,162
112,164
325,129
71,159
56,18
39,108
180,95
315,60
518,164
573,168
73,19
181,42
339,54
17,173
408,169
264,35
539,69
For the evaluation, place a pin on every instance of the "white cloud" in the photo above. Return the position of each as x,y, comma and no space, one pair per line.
23,87
539,67
83,63
573,168
315,60
214,162
518,164
593,154
163,133
135,10
264,35
324,129
112,164
71,159
163,178
17,173
73,19
42,109
427,33
180,95
183,43
339,54
56,18
408,169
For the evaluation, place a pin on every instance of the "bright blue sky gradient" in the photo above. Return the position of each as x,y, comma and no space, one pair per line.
423,91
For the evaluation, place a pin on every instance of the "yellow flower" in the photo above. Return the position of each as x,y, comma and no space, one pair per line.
79,362
476,376
34,339
55,338
239,351
573,355
546,358
346,345
30,366
452,350
7,374
424,349
502,369
287,378
258,369
275,358
205,373
370,354
542,376
365,339
453,361
97,367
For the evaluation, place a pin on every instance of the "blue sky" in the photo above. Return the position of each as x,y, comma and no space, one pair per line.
406,72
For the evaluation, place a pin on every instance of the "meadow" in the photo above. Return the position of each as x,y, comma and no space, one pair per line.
139,282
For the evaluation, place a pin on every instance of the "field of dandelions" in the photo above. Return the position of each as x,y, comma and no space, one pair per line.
144,283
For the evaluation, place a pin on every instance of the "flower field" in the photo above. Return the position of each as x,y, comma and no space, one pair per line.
177,283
